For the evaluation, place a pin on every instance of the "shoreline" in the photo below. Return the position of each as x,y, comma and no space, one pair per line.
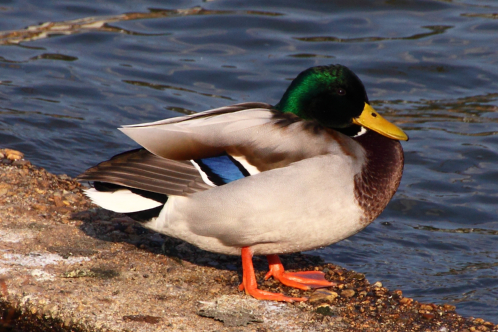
72,266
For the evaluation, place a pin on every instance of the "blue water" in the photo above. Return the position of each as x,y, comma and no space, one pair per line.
429,66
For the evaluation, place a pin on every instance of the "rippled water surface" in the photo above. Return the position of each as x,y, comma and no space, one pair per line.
429,66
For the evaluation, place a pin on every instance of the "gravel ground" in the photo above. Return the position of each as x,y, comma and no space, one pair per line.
67,265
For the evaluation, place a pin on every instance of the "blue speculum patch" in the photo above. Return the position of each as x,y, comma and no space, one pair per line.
222,169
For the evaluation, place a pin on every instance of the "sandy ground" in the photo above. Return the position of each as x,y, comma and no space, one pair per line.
67,265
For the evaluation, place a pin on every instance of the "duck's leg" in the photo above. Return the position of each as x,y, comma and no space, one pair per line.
250,285
301,280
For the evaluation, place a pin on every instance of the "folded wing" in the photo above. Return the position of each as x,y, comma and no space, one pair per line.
193,153
140,169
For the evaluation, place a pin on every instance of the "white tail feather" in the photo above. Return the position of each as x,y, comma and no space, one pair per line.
121,201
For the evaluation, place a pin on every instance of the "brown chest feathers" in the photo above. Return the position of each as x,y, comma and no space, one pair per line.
380,177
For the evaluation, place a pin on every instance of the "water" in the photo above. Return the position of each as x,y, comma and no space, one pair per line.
429,66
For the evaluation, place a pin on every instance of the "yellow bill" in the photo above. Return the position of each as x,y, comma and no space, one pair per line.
372,120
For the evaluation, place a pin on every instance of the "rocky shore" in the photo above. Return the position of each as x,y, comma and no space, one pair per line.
67,265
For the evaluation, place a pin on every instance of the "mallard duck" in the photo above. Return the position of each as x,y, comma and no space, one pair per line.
256,179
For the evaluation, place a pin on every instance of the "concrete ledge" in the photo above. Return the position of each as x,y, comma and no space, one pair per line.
66,265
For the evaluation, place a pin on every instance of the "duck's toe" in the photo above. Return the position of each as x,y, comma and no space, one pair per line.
301,280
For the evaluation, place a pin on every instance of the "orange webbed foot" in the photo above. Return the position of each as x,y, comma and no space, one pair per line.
251,287
301,280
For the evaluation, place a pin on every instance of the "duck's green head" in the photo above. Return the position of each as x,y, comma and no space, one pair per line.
336,98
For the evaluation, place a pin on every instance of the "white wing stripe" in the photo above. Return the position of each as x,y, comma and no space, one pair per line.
248,167
203,175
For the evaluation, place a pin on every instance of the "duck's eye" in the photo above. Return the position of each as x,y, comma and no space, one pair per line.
341,92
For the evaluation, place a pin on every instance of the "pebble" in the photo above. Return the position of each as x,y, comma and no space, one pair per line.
323,295
428,316
68,322
358,276
215,289
348,293
58,201
326,310
40,207
4,188
377,284
142,318
12,154
21,162
406,300
426,307
449,307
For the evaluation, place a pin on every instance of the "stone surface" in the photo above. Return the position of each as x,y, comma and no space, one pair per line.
67,265
232,310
